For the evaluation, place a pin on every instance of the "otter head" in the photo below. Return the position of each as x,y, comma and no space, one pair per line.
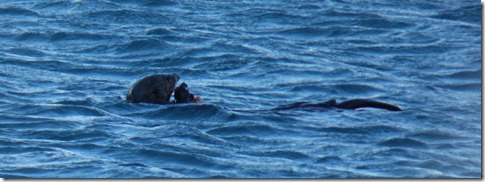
156,88
182,93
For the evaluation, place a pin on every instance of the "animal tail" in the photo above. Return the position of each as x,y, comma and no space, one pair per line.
360,103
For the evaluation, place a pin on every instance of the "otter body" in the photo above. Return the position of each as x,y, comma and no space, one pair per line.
155,89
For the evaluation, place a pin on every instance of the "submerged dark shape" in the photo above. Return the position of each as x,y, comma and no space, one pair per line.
360,103
158,89
349,104
153,89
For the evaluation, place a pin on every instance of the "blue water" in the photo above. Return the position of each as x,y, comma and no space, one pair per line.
66,65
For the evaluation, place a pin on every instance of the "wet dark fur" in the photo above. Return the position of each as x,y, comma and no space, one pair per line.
182,94
153,89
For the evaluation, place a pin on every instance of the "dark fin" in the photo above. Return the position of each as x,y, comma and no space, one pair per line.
360,103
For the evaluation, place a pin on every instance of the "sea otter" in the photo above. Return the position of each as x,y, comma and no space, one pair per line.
158,89
155,89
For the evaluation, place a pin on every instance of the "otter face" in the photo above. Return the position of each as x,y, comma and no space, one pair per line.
182,93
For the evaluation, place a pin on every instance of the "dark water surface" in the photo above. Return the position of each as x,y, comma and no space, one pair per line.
65,67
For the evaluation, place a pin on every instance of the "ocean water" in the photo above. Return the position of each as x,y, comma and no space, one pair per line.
66,66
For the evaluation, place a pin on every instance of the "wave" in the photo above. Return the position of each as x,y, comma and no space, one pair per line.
256,130
149,3
180,158
418,38
347,89
470,14
159,31
435,136
29,36
63,36
383,23
179,111
461,86
41,68
60,110
403,49
473,75
27,52
14,11
60,36
58,5
125,16
146,45
68,135
38,123
12,150
308,32
293,155
356,88
404,142
329,160
283,18
223,62
366,130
